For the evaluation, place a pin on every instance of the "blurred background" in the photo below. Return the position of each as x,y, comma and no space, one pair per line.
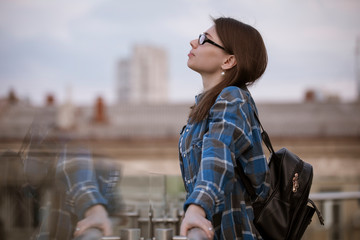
113,74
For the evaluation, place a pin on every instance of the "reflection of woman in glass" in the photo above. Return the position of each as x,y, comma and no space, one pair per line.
222,132
80,192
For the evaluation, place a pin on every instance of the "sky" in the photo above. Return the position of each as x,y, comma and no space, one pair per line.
62,46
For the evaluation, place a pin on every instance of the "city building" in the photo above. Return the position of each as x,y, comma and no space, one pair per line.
143,78
357,67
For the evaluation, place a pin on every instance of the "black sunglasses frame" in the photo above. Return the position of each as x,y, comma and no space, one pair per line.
206,40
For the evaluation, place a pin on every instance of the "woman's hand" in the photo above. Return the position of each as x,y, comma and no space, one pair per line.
95,217
195,217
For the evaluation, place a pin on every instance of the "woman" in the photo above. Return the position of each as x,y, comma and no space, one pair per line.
222,132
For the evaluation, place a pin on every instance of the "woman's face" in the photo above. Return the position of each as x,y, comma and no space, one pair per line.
206,59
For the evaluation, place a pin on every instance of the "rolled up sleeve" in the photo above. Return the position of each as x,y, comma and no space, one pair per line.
76,178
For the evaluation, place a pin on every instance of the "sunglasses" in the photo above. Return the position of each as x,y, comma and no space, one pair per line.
203,39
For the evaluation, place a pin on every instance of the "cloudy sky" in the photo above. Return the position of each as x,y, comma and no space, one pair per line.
54,45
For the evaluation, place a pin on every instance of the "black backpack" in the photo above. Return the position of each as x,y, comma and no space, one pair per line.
287,211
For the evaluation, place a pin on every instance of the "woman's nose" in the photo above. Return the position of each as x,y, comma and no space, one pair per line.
194,43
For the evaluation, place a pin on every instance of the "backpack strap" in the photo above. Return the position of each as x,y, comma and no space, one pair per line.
245,180
239,169
265,137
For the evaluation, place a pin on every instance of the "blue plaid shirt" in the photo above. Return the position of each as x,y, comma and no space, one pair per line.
209,152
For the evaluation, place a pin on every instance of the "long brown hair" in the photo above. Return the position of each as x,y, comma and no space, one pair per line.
247,45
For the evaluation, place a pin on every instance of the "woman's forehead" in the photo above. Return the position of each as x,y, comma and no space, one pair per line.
211,32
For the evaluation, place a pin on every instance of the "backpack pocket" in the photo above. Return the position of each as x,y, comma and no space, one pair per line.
272,218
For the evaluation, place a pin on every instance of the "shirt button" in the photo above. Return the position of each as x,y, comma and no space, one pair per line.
188,181
187,130
184,155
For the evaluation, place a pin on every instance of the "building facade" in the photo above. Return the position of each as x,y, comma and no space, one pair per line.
143,78
357,67
143,140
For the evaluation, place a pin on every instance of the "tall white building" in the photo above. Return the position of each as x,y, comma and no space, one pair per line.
357,67
143,78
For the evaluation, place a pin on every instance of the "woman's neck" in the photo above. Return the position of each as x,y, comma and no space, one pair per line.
210,81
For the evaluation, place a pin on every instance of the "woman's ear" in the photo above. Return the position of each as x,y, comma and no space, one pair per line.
229,62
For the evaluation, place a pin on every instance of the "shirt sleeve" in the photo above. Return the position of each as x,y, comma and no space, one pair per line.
75,176
229,131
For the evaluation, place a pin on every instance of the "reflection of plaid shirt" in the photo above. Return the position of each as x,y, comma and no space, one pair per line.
208,151
78,184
